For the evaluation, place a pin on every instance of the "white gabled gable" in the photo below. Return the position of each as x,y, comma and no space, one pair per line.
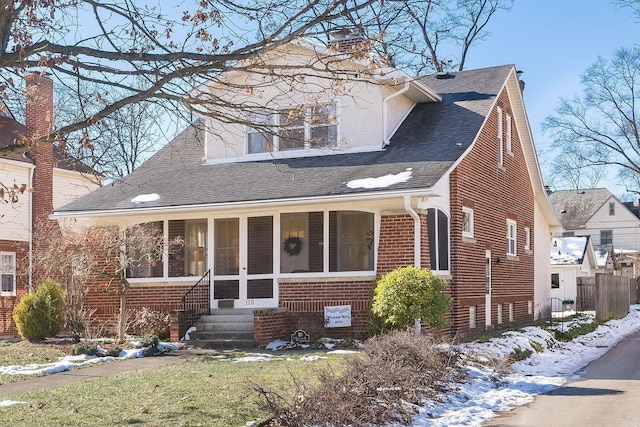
370,103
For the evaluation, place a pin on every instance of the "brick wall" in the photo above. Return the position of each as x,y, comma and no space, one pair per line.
306,301
396,247
270,325
495,193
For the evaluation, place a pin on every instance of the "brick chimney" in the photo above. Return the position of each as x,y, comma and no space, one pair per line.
39,122
348,42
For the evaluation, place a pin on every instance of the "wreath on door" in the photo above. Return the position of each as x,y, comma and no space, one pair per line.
292,245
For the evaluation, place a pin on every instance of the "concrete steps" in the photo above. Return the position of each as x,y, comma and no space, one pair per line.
224,329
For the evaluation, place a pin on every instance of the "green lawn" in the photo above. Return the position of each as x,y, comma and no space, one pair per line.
199,392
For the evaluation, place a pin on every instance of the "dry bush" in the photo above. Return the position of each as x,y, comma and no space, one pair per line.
150,322
384,384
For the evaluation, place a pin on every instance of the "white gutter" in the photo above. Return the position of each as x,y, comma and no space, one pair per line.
390,194
416,230
386,137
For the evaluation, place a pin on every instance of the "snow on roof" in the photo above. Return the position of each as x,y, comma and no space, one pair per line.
568,250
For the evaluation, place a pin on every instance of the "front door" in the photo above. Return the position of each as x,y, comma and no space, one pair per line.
243,262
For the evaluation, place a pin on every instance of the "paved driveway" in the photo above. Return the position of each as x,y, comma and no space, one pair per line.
605,393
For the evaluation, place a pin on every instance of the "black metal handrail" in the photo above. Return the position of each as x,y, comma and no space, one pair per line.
195,303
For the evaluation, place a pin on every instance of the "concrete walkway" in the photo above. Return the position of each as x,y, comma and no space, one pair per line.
100,370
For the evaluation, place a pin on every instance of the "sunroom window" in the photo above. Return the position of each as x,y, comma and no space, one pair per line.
351,239
142,264
191,258
438,237
297,128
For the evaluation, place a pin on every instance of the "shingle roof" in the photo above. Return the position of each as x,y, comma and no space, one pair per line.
11,130
428,142
574,208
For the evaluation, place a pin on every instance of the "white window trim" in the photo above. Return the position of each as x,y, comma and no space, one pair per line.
472,317
468,211
308,126
508,135
500,146
500,316
527,239
13,255
512,240
511,309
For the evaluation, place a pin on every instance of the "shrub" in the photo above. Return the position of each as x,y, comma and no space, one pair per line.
40,314
384,385
409,293
151,322
88,349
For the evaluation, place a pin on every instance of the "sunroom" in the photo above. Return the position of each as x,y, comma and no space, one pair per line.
246,254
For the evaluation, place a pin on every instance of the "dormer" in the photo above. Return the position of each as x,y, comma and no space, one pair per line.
302,100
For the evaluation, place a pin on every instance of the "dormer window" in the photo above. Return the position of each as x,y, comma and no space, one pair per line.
300,128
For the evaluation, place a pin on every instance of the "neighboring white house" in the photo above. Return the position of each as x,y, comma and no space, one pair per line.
571,259
599,214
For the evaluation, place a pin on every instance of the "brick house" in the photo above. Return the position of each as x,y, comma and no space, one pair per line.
298,210
46,177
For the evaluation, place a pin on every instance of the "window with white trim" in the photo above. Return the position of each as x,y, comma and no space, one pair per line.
500,146
298,128
8,273
511,237
438,238
500,308
472,317
508,134
467,222
527,238
510,312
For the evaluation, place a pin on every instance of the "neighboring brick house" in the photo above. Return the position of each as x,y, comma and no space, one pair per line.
47,178
611,225
438,172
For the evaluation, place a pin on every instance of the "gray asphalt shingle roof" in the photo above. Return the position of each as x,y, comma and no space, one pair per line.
574,208
428,142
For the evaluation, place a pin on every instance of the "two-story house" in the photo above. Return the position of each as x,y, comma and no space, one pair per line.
327,186
609,223
44,178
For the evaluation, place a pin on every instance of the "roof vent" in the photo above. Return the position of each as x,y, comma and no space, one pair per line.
442,75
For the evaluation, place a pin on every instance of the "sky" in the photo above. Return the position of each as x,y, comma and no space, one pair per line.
553,42
471,403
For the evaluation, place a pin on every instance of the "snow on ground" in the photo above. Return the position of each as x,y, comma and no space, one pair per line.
73,362
483,396
549,366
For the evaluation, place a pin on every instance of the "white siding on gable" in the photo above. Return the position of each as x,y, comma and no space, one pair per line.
625,226
14,217
68,186
359,109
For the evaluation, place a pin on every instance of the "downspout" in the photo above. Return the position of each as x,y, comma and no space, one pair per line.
385,134
416,230
417,326
30,215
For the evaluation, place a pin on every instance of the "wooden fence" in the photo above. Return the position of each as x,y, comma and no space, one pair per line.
607,294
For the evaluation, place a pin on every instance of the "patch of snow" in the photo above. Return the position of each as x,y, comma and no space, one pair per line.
142,198
11,403
277,345
186,334
381,181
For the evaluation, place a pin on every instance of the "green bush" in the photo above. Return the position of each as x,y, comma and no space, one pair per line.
40,314
410,293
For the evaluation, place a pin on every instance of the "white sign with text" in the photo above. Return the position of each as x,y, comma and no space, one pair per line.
338,316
